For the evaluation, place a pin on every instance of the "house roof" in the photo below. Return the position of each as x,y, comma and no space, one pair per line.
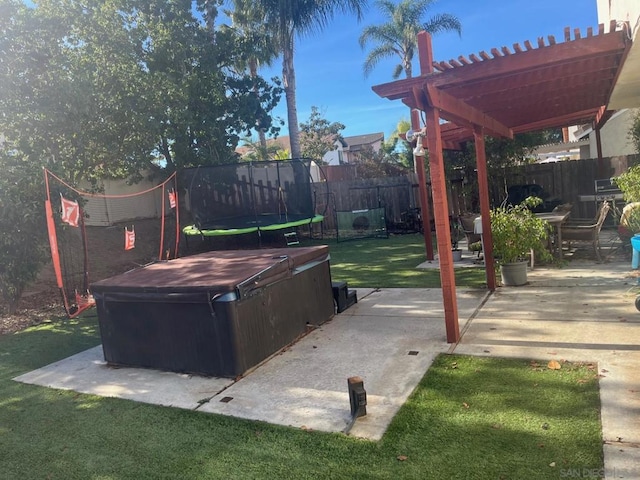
366,139
356,142
523,88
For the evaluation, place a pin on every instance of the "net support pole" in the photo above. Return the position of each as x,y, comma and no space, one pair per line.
162,207
177,214
53,241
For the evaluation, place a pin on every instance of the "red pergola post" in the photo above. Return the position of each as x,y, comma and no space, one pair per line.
443,232
483,193
422,190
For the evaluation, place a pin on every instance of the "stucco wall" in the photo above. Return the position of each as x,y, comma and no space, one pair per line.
621,10
615,136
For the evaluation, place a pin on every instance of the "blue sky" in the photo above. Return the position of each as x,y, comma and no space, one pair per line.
329,64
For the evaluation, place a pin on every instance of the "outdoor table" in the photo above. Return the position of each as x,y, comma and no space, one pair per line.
555,219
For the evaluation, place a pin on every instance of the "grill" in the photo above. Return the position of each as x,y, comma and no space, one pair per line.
605,189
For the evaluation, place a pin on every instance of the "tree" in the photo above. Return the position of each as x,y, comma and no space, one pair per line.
107,87
402,149
209,103
23,230
501,153
383,163
318,136
104,88
262,49
291,18
398,37
259,152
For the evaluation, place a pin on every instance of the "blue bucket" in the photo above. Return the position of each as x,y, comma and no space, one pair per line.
635,243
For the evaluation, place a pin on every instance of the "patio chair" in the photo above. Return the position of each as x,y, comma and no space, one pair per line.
586,230
466,220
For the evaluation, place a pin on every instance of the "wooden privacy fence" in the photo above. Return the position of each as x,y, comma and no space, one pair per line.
570,181
398,195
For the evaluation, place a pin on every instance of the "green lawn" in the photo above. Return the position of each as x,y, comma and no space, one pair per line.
374,262
470,418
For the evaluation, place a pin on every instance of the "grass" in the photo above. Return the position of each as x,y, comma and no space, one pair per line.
470,418
390,263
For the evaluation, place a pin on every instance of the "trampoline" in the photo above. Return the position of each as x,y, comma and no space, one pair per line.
250,197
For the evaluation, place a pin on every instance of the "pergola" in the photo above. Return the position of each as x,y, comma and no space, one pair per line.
509,91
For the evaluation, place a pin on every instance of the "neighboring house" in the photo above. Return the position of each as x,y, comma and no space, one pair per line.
122,203
558,152
625,99
614,136
348,148
626,94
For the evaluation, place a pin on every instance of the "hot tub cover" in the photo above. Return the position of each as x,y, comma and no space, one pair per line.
232,268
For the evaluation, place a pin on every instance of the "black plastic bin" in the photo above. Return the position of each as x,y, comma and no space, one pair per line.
217,313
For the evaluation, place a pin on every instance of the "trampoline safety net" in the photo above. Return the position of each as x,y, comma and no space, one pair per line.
364,223
249,194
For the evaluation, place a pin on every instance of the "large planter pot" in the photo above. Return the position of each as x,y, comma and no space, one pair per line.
457,255
514,274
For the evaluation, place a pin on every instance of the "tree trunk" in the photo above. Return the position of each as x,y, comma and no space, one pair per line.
253,71
289,81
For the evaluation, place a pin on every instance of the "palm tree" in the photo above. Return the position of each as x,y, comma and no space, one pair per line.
291,18
398,37
248,20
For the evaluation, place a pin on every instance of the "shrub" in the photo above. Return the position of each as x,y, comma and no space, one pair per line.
516,231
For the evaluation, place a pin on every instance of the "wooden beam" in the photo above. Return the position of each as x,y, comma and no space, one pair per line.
425,53
559,121
410,102
485,209
461,110
422,190
603,117
443,232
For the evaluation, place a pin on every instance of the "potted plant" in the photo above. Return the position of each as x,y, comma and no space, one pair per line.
516,231
629,218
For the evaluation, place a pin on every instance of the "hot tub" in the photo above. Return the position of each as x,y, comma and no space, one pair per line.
218,313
